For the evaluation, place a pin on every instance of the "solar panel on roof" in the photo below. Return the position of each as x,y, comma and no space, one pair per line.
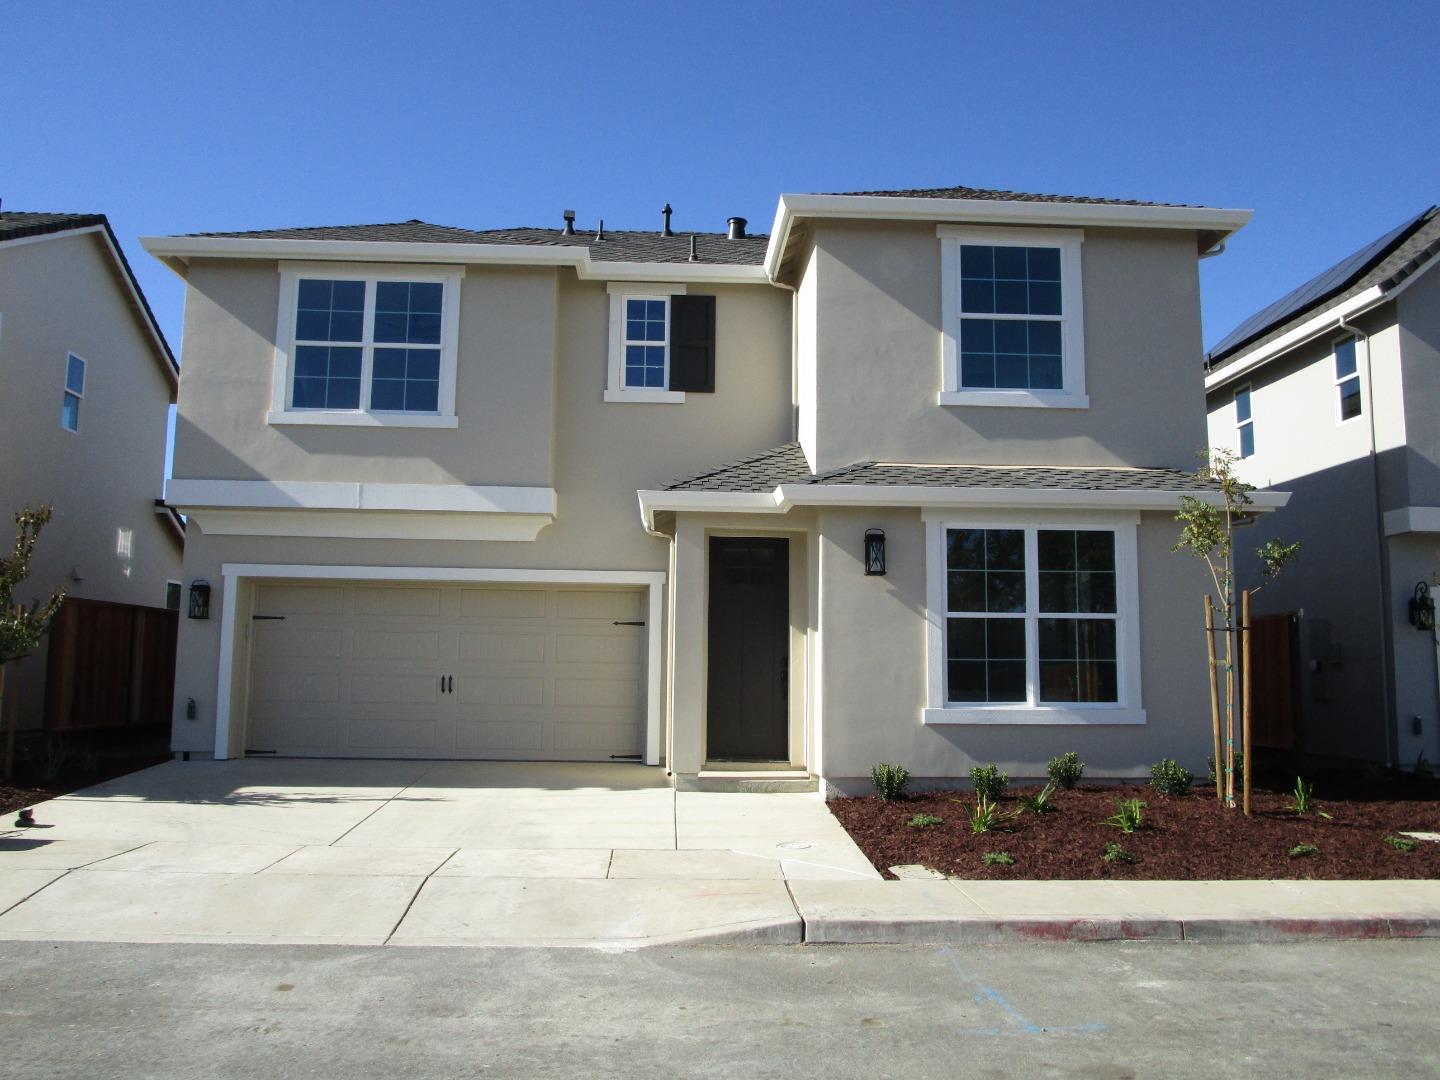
1316,289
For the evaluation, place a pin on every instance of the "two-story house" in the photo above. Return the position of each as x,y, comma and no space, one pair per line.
86,383
932,443
1331,392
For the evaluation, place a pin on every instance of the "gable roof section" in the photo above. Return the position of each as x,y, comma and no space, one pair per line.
1383,263
24,225
617,246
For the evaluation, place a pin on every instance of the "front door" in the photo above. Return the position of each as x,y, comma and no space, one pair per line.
749,649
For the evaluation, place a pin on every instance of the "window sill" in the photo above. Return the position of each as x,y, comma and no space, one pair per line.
654,397
959,715
1031,399
361,419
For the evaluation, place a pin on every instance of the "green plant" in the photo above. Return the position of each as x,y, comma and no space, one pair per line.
1115,853
1402,843
1299,851
1169,777
889,780
921,821
1039,803
997,858
986,816
21,627
1304,800
1066,769
1216,778
50,757
990,783
1127,816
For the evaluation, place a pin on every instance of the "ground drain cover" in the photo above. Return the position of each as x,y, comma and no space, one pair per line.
795,845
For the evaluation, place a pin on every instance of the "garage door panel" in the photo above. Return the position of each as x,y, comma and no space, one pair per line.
503,603
596,693
391,601
501,691
394,689
396,645
394,735
597,604
297,642
573,648
301,600
596,738
297,734
287,688
501,735
497,645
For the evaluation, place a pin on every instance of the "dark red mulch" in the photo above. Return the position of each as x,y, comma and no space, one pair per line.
1189,837
27,789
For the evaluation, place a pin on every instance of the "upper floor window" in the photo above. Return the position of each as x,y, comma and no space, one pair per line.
358,347
1244,423
74,392
1347,381
1013,320
662,343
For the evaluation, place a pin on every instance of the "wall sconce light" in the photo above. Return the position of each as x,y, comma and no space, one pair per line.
1422,607
875,552
199,599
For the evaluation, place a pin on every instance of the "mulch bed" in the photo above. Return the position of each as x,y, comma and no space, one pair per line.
1189,837
27,789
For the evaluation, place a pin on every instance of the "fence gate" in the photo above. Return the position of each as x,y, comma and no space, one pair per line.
1275,654
109,666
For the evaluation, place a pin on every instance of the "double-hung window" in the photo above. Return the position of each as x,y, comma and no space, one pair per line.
367,347
662,343
1244,423
1347,381
1034,621
74,392
1013,319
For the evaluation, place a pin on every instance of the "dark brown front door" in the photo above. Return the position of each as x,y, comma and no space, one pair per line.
749,649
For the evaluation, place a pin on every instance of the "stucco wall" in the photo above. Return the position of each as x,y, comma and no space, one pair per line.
1414,557
879,339
1419,346
59,296
874,677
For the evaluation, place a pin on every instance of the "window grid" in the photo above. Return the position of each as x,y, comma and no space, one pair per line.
74,392
1051,638
1348,402
646,342
1015,342
1244,422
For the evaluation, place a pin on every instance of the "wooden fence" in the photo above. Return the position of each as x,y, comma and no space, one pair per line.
110,666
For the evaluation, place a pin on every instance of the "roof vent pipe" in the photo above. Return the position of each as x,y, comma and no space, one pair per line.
600,230
693,256
569,229
736,229
666,212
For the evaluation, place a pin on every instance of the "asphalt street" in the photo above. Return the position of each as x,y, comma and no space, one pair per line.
1102,1012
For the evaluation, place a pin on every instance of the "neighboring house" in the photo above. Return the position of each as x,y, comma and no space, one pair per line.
1333,392
410,457
88,380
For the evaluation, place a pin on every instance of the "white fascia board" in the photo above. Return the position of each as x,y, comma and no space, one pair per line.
1023,212
1306,331
712,502
321,495
706,273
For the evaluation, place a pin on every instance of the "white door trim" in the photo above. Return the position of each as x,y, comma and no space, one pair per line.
232,573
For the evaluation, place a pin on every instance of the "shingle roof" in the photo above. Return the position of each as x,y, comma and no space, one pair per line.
997,195
786,465
618,245
16,223
1384,262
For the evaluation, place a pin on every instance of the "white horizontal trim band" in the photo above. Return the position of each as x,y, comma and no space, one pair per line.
321,495
1412,519
1093,715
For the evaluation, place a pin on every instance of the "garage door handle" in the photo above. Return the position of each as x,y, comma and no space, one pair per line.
268,618
442,684
628,622
450,688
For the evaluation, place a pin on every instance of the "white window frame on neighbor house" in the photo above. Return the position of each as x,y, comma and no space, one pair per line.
281,410
1340,380
66,393
1072,394
615,388
1241,425
1127,709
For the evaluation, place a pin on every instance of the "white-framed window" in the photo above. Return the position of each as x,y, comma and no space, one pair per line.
1348,403
74,393
1033,618
173,591
371,345
1012,314
1244,422
639,355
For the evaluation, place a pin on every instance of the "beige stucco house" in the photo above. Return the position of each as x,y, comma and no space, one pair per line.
87,380
895,482
1333,392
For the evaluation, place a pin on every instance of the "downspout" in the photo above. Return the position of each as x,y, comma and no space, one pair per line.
1387,649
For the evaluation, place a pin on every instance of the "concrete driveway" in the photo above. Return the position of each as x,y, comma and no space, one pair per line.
370,852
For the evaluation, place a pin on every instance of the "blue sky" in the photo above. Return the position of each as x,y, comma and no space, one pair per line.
178,117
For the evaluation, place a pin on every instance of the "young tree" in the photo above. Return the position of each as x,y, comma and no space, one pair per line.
1207,531
21,627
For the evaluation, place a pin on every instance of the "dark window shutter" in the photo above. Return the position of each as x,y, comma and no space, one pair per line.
692,344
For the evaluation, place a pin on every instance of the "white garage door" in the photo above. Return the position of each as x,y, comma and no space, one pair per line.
447,671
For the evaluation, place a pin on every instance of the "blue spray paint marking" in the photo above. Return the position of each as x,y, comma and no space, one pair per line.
1023,1024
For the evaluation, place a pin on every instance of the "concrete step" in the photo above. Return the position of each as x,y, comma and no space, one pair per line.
749,781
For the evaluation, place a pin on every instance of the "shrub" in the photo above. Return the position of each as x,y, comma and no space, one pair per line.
889,780
990,782
1127,816
1239,766
921,821
1066,769
1299,851
985,816
1304,795
1115,853
1168,777
997,858
1402,843
1040,803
